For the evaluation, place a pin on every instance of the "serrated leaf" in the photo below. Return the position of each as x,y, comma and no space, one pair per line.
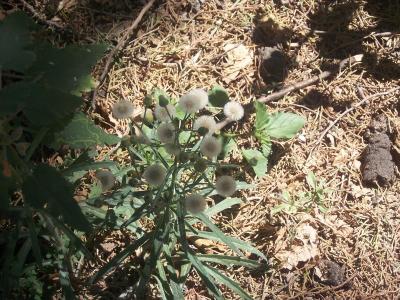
43,106
81,132
218,96
257,161
262,116
15,39
67,69
47,188
283,125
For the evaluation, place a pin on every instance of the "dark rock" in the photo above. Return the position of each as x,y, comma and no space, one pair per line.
330,273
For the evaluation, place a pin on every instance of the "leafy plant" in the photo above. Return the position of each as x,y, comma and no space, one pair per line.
173,171
305,201
280,125
40,98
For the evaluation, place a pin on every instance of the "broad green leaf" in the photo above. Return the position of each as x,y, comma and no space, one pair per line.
218,96
256,160
266,147
229,260
283,125
47,188
119,258
15,39
81,132
221,206
158,95
67,69
229,145
43,106
228,283
239,243
262,116
218,232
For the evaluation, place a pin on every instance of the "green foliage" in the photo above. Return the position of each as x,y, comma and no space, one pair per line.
81,132
218,96
15,42
47,189
40,97
278,125
305,201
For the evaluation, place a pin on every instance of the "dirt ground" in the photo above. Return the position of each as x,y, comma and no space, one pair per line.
350,249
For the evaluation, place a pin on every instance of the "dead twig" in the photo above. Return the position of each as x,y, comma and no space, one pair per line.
40,16
364,99
299,85
121,44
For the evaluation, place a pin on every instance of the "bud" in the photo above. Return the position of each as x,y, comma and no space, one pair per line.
148,101
202,131
200,165
148,117
163,101
184,157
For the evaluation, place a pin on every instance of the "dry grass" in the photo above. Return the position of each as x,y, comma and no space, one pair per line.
178,48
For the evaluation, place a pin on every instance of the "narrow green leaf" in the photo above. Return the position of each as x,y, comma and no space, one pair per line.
162,285
218,232
221,206
257,161
75,241
239,243
228,260
228,283
81,132
120,257
283,125
218,96
204,274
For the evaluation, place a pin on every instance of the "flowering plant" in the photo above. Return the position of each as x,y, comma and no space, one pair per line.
174,169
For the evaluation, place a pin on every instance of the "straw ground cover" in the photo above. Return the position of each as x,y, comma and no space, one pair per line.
186,44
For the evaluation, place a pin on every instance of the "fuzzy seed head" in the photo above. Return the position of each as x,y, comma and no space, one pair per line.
122,110
195,203
207,122
166,133
106,178
210,146
233,111
166,113
225,186
193,101
154,174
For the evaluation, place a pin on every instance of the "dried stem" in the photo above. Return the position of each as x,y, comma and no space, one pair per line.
302,84
121,44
